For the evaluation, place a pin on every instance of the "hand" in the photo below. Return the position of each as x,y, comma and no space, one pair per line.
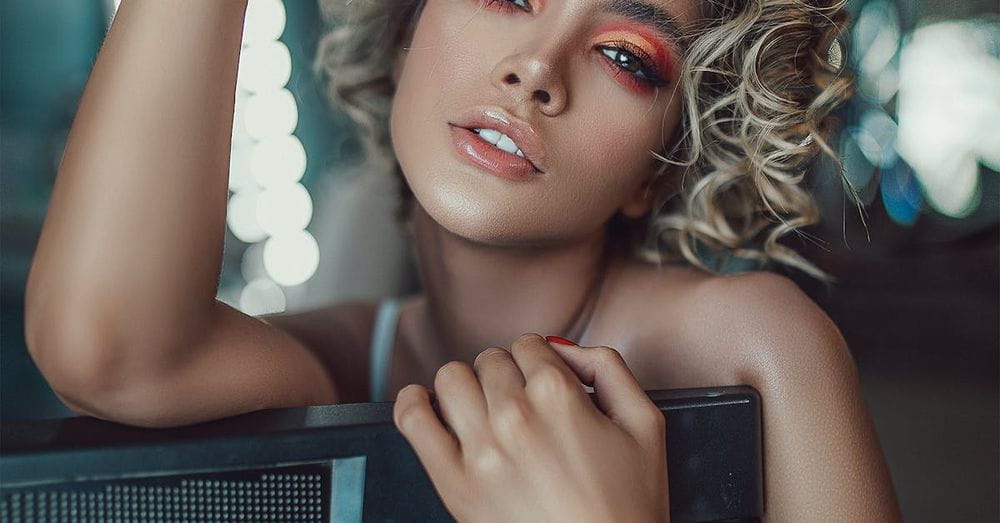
522,441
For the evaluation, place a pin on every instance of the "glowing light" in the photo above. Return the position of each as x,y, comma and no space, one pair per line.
278,160
264,22
264,66
252,263
284,208
242,216
878,138
877,37
901,195
239,169
877,33
262,296
291,258
949,107
267,163
271,114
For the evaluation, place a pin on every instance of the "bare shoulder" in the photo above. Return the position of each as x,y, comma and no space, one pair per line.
752,327
782,333
338,334
822,456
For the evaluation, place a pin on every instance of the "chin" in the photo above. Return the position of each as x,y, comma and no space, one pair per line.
470,219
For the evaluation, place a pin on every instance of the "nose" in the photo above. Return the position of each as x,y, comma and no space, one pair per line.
531,79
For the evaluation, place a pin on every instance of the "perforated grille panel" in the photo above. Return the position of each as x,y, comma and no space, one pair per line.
301,493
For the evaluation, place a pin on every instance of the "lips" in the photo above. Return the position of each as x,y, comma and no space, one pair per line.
524,137
479,152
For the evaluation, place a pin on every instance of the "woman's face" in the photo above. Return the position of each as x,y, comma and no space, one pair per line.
592,90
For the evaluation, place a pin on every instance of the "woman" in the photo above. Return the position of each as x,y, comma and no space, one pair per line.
598,101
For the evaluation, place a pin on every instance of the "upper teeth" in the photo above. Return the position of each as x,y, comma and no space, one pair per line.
502,141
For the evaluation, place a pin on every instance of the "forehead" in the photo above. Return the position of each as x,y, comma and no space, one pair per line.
667,18
680,11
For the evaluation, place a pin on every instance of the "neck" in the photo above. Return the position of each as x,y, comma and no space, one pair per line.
479,296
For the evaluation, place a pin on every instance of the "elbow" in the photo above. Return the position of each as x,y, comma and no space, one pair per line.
82,365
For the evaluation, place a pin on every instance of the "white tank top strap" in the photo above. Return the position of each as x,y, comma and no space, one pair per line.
383,338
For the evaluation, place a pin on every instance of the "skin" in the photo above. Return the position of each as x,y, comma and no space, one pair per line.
522,425
496,257
480,236
122,335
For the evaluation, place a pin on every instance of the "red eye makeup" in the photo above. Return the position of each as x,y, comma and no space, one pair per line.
644,40
631,53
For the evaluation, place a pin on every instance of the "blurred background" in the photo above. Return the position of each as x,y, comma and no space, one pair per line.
914,246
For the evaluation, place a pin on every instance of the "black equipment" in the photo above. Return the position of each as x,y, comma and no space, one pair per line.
327,463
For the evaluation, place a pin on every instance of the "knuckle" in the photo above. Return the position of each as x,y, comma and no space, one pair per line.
552,382
449,372
608,356
406,417
511,419
528,338
488,461
490,353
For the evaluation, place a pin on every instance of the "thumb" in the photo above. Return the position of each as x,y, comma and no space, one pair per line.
619,395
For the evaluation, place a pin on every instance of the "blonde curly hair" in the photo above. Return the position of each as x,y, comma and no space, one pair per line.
759,90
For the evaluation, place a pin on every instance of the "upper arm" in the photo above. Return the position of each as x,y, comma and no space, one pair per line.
821,453
241,364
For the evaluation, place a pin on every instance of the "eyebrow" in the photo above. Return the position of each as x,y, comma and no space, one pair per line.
648,14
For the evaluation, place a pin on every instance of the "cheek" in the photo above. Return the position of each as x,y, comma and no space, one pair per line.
616,138
418,95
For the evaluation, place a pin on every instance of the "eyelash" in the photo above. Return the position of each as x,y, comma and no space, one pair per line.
644,77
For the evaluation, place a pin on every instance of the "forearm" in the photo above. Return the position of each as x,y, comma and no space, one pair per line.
132,240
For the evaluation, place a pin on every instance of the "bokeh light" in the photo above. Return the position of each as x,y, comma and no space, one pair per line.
242,216
949,106
262,296
277,160
271,114
268,203
284,208
291,258
264,67
264,22
926,112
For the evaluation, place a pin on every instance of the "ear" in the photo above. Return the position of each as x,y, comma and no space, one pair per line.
639,203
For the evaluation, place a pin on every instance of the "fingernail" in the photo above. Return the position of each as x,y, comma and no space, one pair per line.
561,341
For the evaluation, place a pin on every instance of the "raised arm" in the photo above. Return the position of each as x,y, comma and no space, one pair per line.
120,311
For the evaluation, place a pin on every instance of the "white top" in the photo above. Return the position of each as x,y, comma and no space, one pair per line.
383,338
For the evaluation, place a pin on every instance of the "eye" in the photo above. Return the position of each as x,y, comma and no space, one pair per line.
510,5
627,57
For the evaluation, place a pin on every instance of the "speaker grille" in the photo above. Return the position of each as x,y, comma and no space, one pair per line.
299,493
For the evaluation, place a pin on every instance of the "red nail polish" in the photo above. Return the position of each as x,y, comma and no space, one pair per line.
562,341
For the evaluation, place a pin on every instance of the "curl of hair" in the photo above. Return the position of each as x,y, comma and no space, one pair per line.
758,90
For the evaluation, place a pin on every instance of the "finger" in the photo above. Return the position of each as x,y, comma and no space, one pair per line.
618,393
499,375
436,448
461,400
544,370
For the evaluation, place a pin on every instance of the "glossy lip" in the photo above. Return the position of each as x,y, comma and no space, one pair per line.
485,155
523,135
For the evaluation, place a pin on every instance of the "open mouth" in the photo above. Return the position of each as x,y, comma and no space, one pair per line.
499,140
493,151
